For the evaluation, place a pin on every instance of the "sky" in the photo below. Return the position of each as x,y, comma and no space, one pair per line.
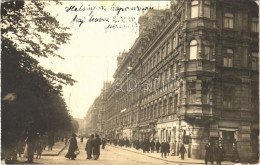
100,31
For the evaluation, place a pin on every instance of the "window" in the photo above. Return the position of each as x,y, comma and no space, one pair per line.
206,50
255,25
229,20
228,58
227,97
192,92
158,57
163,52
175,102
193,50
254,60
154,60
164,107
206,9
204,93
170,105
173,43
159,108
194,9
155,110
168,48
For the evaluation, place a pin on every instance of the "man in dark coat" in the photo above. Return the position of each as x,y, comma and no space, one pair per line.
89,147
50,141
217,153
152,144
96,149
182,151
72,148
157,146
209,154
163,149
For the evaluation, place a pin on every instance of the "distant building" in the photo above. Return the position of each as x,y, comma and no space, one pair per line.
192,76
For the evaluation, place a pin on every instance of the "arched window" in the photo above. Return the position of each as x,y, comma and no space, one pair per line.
206,49
229,20
193,49
194,9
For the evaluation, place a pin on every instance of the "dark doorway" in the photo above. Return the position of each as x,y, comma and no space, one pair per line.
228,140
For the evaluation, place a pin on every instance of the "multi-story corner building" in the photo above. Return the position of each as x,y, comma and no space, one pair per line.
191,77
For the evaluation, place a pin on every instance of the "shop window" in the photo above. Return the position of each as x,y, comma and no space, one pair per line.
254,60
206,9
255,25
193,49
206,50
229,20
228,58
194,9
192,92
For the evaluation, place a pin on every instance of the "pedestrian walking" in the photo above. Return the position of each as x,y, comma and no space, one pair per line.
157,146
96,149
152,144
50,141
182,151
217,153
163,149
73,146
89,146
81,139
103,143
209,154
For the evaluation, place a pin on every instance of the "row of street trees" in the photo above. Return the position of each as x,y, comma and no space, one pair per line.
31,95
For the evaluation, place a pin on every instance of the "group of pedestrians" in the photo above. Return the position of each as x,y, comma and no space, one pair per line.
92,147
33,143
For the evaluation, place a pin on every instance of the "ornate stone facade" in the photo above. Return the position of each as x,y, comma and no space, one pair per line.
190,77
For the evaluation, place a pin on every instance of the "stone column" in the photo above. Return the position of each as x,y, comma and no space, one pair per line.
196,142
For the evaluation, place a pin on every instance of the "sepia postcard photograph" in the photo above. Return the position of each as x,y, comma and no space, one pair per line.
130,82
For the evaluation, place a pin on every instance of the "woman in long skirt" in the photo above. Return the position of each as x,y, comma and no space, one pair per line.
72,148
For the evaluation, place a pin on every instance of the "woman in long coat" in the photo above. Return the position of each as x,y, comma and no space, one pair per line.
72,148
96,147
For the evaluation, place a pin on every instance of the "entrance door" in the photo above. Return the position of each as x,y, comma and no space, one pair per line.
228,139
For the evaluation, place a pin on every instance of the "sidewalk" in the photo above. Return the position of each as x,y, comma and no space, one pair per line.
56,150
174,159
